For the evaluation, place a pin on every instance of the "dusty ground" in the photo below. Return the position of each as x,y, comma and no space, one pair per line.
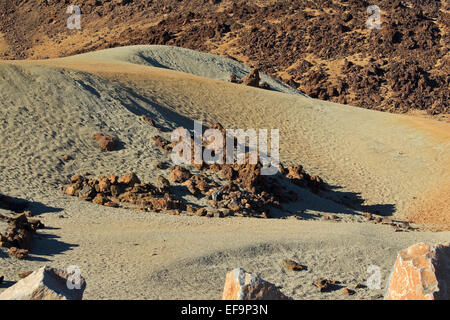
374,162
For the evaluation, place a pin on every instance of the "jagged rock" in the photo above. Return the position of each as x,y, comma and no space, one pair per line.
201,212
106,143
197,184
86,192
179,174
162,143
115,190
190,185
295,172
163,184
241,285
99,199
421,272
103,184
46,283
19,233
129,179
252,79
165,204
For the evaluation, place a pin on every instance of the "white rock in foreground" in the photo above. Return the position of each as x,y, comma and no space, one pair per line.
46,283
241,285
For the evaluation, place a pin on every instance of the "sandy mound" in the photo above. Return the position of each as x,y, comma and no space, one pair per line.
179,59
387,160
51,108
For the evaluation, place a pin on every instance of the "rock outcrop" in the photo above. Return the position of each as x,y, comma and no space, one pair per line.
18,236
241,285
46,283
421,272
252,79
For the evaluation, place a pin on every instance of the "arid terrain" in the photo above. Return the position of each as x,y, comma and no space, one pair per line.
321,47
383,182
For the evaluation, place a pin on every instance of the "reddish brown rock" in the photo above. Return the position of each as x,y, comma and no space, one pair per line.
421,272
19,233
148,120
106,143
99,199
348,292
324,284
129,179
111,204
87,192
179,174
163,184
201,212
292,265
103,184
241,285
252,79
162,143
70,191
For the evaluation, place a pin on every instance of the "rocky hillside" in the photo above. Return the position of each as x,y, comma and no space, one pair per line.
321,47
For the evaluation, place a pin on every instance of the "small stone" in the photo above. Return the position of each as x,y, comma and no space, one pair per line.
106,143
368,215
148,120
292,265
179,174
99,199
323,284
201,212
348,292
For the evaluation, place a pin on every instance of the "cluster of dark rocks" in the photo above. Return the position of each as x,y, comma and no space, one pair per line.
228,189
115,191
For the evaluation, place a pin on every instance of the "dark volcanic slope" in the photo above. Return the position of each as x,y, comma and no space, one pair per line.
321,46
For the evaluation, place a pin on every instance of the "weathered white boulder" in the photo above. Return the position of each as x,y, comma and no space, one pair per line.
47,283
241,285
